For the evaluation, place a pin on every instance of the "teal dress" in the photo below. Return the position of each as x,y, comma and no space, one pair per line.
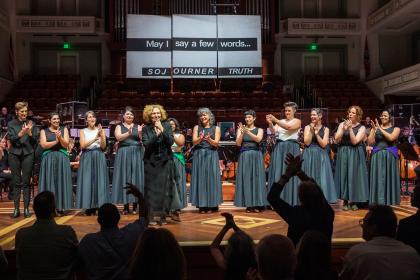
250,190
351,175
55,173
384,173
316,164
206,183
278,167
128,167
92,175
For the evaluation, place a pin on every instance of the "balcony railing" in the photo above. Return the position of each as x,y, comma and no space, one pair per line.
60,24
386,11
404,80
320,26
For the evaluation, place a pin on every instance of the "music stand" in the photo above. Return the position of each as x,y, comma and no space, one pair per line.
408,153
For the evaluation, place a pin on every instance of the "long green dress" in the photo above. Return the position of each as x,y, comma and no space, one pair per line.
384,174
55,172
250,190
351,175
316,164
286,142
128,167
92,175
206,183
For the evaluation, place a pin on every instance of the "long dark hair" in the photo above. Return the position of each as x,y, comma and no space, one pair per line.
158,256
314,257
239,256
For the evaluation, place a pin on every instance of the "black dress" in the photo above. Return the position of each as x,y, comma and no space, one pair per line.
159,171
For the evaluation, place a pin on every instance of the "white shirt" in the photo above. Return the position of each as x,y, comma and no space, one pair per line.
284,134
381,258
89,135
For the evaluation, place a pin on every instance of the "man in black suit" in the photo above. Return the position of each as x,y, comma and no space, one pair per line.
46,250
409,228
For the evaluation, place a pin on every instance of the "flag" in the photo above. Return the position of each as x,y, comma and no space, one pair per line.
366,59
11,59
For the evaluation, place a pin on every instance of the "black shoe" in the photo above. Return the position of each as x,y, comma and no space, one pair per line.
26,212
16,214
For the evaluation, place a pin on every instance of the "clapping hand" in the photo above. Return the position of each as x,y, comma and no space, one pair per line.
293,165
241,128
132,189
58,134
207,137
377,123
230,222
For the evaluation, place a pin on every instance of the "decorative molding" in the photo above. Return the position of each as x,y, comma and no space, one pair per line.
320,26
404,80
386,11
4,20
60,24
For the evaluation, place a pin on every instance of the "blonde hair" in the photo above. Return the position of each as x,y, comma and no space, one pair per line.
89,112
147,112
21,105
359,112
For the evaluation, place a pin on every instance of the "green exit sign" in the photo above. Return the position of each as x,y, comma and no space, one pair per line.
66,45
313,47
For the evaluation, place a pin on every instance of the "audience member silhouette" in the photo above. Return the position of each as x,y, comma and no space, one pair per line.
45,250
314,257
105,254
314,213
409,228
382,256
158,256
239,254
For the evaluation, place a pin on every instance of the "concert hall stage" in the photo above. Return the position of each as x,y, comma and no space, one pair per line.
200,229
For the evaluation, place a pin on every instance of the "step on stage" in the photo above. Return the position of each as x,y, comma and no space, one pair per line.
200,229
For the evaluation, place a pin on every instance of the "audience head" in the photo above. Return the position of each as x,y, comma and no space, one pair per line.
316,115
415,196
311,195
158,256
44,205
4,110
153,113
108,216
239,255
379,221
276,257
313,255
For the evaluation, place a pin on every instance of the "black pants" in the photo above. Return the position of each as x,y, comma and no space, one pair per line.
21,167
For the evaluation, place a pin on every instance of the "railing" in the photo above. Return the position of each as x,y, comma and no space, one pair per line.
386,11
404,80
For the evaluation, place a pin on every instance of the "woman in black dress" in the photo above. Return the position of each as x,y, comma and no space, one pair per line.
159,169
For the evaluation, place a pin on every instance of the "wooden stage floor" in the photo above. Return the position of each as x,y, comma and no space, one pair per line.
200,229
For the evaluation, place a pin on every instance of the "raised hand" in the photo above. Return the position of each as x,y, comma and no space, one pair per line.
240,128
230,222
373,124
293,165
377,123
132,189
